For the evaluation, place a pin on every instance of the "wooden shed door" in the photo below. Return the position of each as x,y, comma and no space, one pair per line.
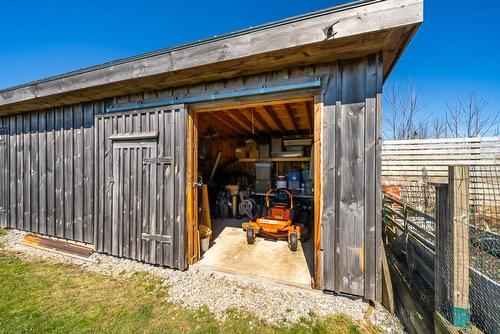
141,185
135,201
4,169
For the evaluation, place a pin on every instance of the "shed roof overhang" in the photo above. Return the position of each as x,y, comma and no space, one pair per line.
346,31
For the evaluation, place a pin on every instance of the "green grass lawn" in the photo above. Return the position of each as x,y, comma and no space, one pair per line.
38,296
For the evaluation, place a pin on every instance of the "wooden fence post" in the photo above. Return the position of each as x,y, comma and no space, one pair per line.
452,247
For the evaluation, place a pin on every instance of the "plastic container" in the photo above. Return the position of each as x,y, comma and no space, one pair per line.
306,175
294,180
295,176
264,151
263,170
281,182
309,187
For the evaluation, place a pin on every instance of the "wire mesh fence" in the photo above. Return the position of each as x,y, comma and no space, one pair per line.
449,248
484,246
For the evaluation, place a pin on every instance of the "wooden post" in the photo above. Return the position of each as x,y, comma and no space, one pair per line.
452,247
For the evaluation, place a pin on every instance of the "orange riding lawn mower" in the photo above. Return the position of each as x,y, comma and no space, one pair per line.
279,223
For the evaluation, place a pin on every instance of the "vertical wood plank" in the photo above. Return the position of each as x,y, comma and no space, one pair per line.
26,171
42,169
195,194
34,186
4,171
127,174
78,165
144,192
116,185
350,186
318,176
379,252
88,173
51,166
173,193
20,173
68,170
13,171
109,231
370,177
180,231
329,147
189,188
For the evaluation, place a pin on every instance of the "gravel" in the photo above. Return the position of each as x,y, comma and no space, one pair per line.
219,292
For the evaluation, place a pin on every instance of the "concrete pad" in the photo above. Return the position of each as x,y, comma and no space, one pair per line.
266,258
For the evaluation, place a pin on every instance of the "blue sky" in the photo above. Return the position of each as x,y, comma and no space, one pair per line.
456,49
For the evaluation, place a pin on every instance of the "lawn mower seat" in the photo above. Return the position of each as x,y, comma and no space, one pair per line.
280,204
282,199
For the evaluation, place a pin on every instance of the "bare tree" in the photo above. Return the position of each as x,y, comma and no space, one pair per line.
405,118
438,128
468,118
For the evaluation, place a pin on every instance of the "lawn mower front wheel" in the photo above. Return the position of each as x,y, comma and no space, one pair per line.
293,241
250,236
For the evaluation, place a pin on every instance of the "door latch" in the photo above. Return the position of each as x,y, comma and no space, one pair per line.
198,184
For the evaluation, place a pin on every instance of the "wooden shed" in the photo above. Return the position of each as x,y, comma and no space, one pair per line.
108,155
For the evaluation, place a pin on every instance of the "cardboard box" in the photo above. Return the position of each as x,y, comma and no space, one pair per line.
251,145
240,152
276,144
253,154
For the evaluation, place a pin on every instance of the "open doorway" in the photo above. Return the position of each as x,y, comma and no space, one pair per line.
244,152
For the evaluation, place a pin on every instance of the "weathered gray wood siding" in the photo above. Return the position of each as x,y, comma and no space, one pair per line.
4,173
350,154
140,185
351,178
47,159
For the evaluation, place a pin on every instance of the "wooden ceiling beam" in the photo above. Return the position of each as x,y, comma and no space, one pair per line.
256,126
289,112
309,114
220,129
258,118
229,123
275,118
235,115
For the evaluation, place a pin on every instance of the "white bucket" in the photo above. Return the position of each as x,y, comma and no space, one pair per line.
281,182
205,244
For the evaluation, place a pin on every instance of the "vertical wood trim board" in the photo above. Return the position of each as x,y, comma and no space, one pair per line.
350,184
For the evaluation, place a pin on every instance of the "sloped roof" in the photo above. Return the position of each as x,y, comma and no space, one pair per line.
342,31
